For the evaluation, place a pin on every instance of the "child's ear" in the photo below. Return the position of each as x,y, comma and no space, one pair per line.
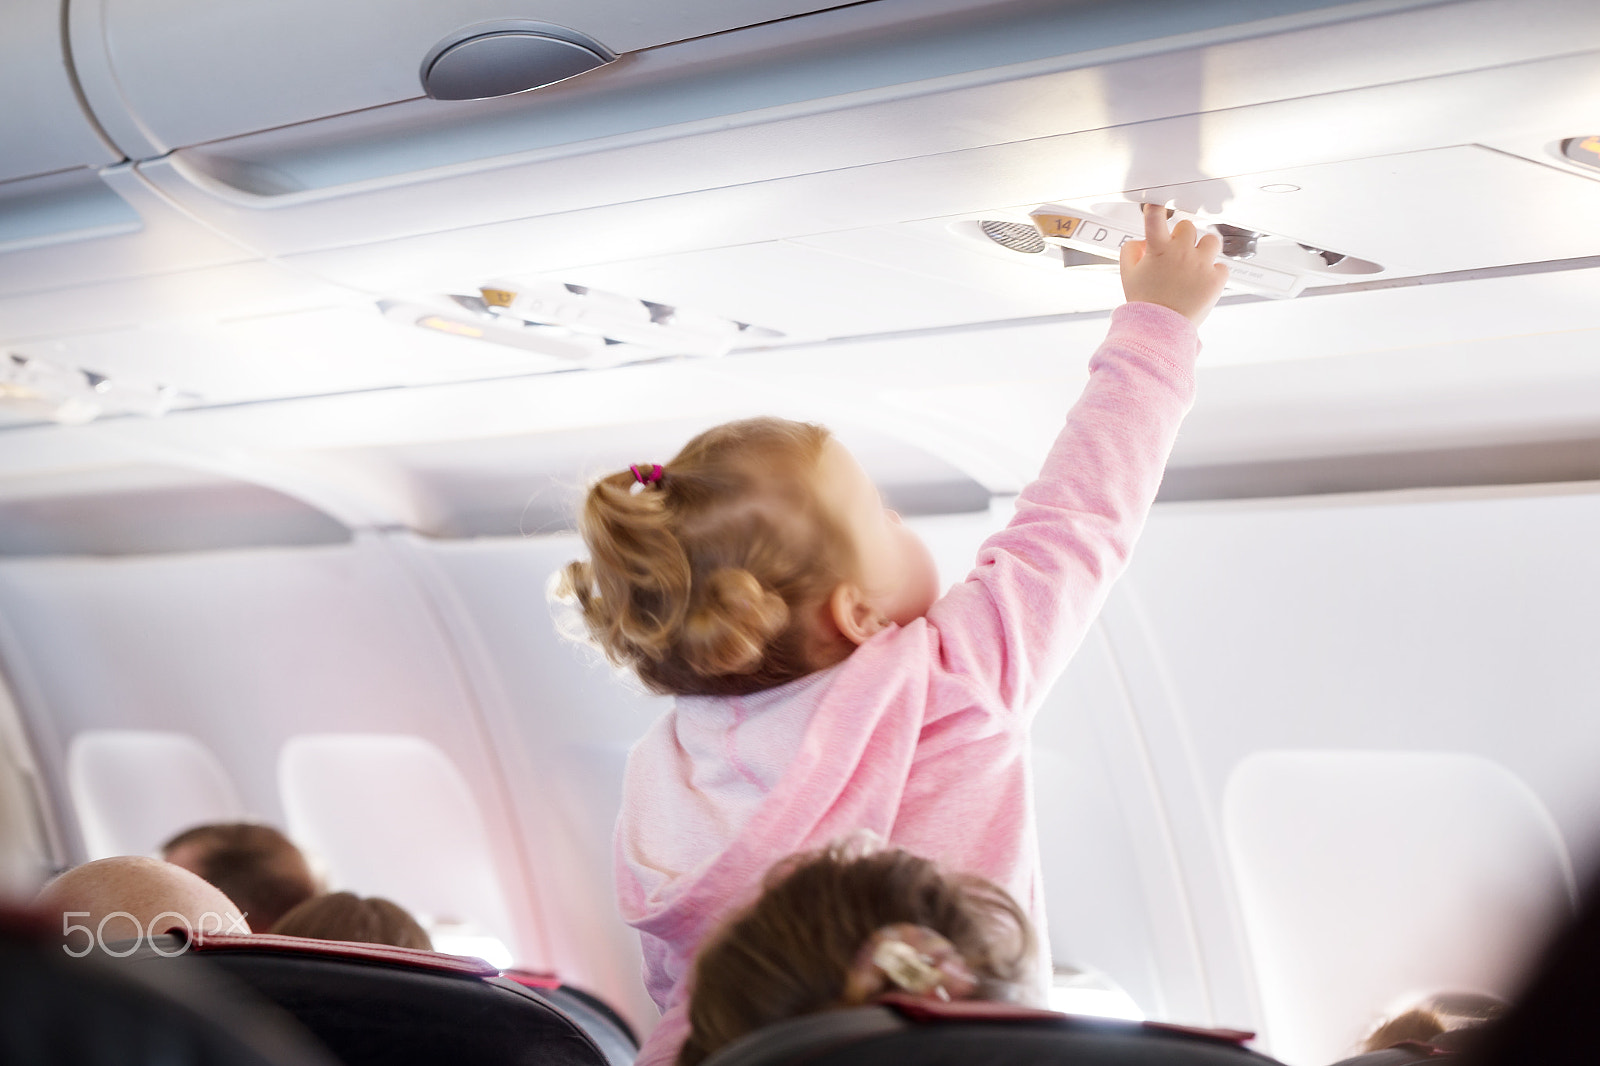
850,612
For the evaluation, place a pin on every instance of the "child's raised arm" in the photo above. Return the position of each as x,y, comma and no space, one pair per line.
1177,269
1040,581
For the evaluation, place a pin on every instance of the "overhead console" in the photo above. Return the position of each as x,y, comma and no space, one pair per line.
264,180
1259,262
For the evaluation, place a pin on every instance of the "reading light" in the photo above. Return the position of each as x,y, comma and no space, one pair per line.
664,329
1258,262
462,321
1585,151
575,322
35,387
450,325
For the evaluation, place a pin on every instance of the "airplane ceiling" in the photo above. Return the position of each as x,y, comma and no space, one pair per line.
205,207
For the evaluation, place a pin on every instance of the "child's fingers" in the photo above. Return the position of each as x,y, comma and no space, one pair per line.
1155,226
1210,246
1130,253
1183,234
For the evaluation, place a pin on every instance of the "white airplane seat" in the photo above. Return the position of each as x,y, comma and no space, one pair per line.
134,789
391,815
1367,877
378,1005
918,1032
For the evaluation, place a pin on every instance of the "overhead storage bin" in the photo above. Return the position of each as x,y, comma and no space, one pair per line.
161,74
42,127
867,120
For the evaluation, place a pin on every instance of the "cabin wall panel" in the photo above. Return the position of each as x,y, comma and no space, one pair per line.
1115,896
1453,622
1460,621
562,723
1414,622
244,650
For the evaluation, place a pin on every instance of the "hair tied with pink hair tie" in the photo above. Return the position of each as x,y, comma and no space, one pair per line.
643,477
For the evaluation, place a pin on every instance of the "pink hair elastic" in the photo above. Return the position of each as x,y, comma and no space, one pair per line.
647,478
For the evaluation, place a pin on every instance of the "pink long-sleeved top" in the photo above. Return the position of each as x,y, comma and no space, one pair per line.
921,734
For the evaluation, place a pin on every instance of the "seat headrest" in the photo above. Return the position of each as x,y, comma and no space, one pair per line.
920,1032
375,1005
306,947
91,1011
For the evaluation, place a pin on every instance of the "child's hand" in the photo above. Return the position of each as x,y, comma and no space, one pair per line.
1173,269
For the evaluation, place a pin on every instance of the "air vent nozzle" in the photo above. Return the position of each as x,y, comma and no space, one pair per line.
1016,236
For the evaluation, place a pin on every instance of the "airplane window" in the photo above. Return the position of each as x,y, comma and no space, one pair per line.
1075,991
1368,876
134,789
391,815
459,938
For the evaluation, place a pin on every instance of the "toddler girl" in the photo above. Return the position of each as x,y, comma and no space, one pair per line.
823,685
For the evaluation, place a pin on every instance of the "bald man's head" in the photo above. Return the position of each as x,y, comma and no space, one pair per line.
156,894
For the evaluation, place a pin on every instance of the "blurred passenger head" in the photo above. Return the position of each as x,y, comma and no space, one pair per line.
258,867
346,916
717,573
837,929
1433,1020
109,895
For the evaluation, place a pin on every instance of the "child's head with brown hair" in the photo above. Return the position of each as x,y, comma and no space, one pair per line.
758,554
814,941
347,916
1444,1020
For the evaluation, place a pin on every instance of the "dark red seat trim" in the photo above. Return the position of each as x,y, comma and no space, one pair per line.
340,949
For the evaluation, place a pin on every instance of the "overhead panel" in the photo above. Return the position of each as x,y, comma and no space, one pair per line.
1393,216
855,282
163,74
141,509
801,175
42,128
61,208
79,228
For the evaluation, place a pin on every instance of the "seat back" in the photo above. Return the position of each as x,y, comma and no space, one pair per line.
375,1005
92,1011
916,1032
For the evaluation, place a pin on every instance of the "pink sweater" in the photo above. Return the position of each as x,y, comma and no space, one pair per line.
921,734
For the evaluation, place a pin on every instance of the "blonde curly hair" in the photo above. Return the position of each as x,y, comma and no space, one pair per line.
711,579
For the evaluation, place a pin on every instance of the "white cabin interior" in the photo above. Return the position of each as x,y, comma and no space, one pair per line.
270,547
